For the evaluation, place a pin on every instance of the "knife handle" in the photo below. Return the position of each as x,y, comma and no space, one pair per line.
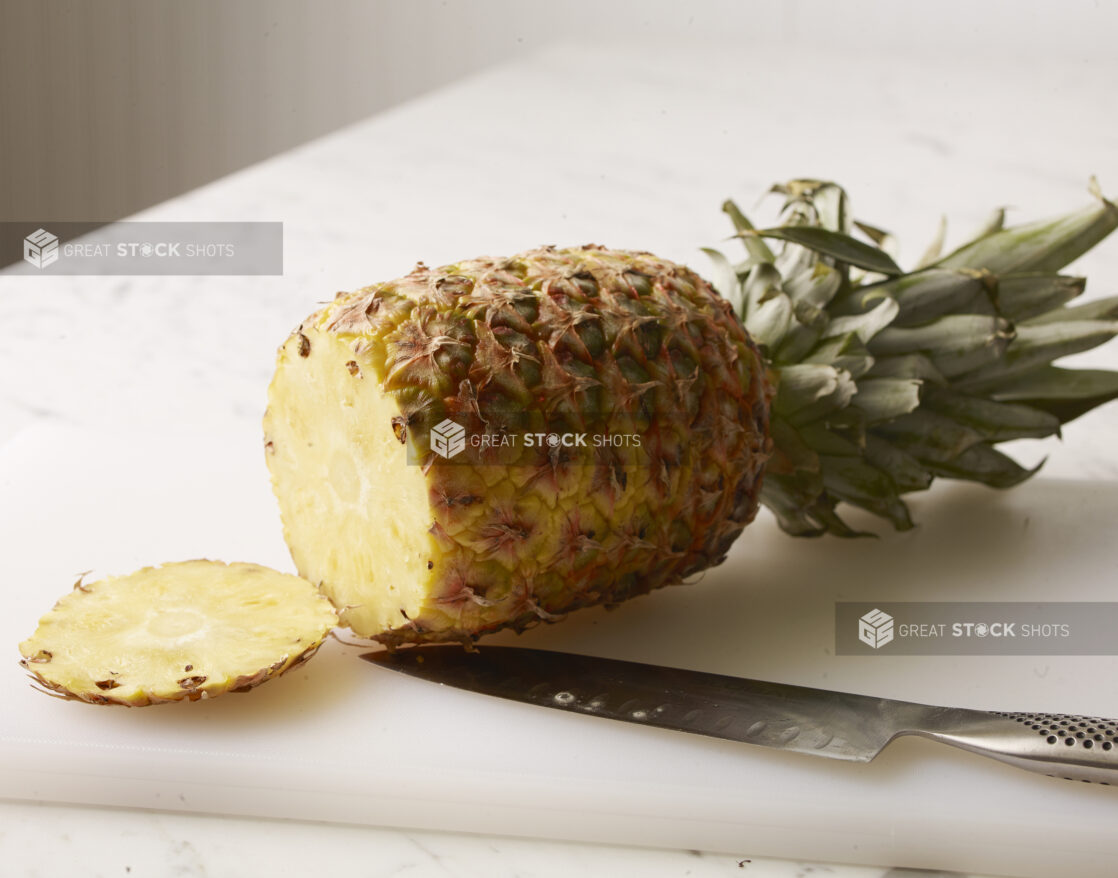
1081,748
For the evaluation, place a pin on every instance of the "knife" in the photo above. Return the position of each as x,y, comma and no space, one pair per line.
819,722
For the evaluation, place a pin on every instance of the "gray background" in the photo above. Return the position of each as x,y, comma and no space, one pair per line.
109,107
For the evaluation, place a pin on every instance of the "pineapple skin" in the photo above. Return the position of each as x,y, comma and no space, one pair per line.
581,339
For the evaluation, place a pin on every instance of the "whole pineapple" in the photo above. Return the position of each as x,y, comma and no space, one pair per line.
422,434
560,362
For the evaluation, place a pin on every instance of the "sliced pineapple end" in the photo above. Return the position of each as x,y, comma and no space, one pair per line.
356,515
187,630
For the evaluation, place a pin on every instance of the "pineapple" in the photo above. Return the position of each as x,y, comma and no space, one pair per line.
189,630
423,434
546,347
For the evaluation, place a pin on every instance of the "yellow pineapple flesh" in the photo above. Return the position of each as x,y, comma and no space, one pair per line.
356,514
187,630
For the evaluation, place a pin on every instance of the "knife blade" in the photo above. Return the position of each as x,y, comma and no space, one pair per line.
818,722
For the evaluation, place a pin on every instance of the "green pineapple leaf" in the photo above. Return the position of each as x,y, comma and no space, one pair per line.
837,245
883,384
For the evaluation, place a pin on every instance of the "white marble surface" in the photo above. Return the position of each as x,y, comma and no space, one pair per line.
41,840
629,147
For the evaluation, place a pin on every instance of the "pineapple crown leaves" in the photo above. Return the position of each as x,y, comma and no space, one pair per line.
886,379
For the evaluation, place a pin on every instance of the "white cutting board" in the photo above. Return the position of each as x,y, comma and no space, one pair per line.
340,740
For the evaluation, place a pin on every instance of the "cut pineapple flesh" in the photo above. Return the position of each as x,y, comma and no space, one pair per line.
356,515
188,630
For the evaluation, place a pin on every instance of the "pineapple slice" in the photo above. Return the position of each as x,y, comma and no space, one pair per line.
188,630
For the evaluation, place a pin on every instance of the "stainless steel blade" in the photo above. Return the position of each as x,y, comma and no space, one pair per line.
819,722
833,724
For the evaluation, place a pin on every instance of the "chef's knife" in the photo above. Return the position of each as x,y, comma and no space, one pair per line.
838,725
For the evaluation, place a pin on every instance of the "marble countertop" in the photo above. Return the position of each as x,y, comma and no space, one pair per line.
58,840
621,146
41,840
